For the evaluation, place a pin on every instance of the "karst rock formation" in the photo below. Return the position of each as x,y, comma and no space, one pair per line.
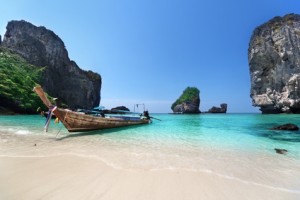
274,62
61,77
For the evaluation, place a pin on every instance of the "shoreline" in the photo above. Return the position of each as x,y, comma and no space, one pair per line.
183,158
74,177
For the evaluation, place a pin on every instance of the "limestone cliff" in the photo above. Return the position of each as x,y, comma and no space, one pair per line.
62,77
188,102
274,61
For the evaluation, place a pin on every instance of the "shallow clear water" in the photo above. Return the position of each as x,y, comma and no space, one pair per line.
232,132
235,146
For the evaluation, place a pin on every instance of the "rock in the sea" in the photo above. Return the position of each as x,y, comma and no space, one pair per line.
62,77
288,127
122,108
221,109
281,151
274,60
188,102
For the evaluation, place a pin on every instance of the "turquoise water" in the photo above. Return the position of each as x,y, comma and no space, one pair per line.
240,132
234,146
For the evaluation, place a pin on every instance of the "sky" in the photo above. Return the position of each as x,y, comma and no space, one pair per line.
149,51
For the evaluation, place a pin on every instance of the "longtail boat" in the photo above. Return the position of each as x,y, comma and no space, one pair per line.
79,122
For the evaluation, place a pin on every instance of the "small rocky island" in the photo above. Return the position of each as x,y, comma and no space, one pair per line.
221,109
188,102
274,62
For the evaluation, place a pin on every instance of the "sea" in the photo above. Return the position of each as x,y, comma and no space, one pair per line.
240,147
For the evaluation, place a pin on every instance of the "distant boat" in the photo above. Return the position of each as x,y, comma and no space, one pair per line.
79,121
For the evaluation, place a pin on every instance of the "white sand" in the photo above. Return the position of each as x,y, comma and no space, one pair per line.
72,177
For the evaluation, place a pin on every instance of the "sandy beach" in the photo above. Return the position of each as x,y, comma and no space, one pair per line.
159,162
73,177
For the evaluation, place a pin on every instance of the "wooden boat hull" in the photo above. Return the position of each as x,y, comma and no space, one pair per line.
78,122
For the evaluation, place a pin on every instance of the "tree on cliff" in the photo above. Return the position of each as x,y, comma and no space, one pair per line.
190,98
61,76
17,78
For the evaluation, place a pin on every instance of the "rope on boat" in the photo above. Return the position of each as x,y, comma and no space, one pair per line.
62,126
58,132
66,116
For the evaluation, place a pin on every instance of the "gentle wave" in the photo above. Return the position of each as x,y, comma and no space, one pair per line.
15,130
23,132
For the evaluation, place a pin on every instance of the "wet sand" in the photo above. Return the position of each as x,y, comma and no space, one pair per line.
75,177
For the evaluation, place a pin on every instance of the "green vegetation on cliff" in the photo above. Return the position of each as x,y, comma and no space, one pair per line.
17,79
188,94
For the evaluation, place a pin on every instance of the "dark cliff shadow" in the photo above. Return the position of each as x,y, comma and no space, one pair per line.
264,130
280,135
